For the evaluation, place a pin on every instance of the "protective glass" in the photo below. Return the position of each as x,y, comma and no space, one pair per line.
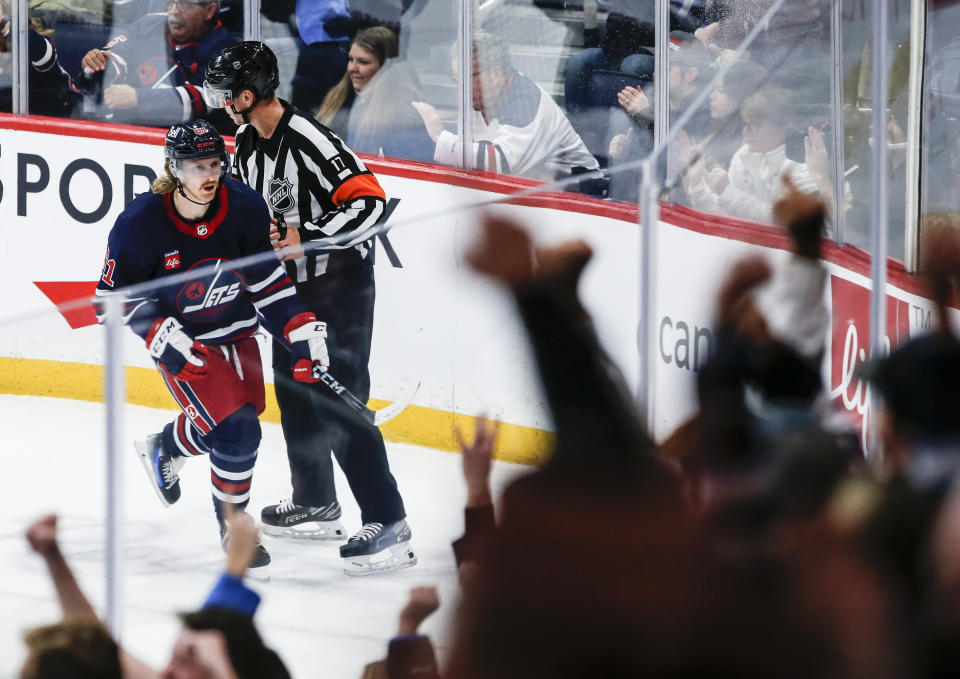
215,98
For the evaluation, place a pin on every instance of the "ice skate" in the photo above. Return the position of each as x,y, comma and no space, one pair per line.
161,468
377,548
289,520
259,568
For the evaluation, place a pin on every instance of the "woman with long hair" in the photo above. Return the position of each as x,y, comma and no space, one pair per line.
370,49
370,108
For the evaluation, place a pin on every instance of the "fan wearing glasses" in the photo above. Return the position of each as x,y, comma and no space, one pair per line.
150,72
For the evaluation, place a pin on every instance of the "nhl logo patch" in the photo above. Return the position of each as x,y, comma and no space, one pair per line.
280,195
171,260
201,229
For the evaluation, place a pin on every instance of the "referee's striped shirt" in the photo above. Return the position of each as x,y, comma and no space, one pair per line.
314,182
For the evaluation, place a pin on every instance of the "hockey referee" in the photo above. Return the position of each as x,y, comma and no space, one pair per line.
316,189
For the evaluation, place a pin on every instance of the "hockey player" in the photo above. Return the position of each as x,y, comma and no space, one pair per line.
199,331
317,188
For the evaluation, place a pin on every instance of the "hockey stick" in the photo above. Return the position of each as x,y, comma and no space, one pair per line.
374,417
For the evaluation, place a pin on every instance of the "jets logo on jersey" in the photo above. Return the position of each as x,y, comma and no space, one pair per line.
210,295
280,192
171,260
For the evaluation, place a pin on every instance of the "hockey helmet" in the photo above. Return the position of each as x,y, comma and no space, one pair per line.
196,139
249,65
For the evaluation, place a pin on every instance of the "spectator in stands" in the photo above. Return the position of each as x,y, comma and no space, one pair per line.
219,641
323,58
410,654
157,66
517,127
368,53
725,132
383,120
81,648
326,27
52,91
545,607
593,76
631,126
920,381
477,459
370,107
748,187
800,23
794,44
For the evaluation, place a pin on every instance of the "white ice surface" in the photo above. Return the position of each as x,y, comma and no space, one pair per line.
322,623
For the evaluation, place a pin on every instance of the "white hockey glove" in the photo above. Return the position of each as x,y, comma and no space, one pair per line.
308,347
182,356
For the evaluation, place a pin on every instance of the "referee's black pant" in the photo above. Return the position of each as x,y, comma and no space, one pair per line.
317,422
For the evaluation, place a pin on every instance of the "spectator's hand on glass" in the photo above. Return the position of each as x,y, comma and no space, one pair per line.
897,143
431,119
718,180
815,153
120,96
477,459
423,602
684,148
633,100
42,534
707,34
620,145
95,60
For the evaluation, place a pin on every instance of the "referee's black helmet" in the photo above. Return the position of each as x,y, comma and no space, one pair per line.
249,65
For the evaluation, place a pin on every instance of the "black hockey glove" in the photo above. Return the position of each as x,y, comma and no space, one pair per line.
182,356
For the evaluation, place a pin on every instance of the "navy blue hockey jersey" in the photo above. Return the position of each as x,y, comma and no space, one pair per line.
221,303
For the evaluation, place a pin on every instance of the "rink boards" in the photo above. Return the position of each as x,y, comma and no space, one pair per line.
62,184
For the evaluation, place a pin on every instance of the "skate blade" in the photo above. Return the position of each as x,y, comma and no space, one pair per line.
321,531
260,574
143,452
392,559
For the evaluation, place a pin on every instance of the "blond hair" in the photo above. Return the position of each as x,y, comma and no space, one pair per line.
165,183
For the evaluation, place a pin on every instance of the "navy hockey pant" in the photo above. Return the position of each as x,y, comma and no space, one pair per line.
219,418
315,421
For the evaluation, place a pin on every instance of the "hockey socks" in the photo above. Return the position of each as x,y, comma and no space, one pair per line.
230,478
181,438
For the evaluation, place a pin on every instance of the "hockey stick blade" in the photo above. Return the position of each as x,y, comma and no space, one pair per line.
374,417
